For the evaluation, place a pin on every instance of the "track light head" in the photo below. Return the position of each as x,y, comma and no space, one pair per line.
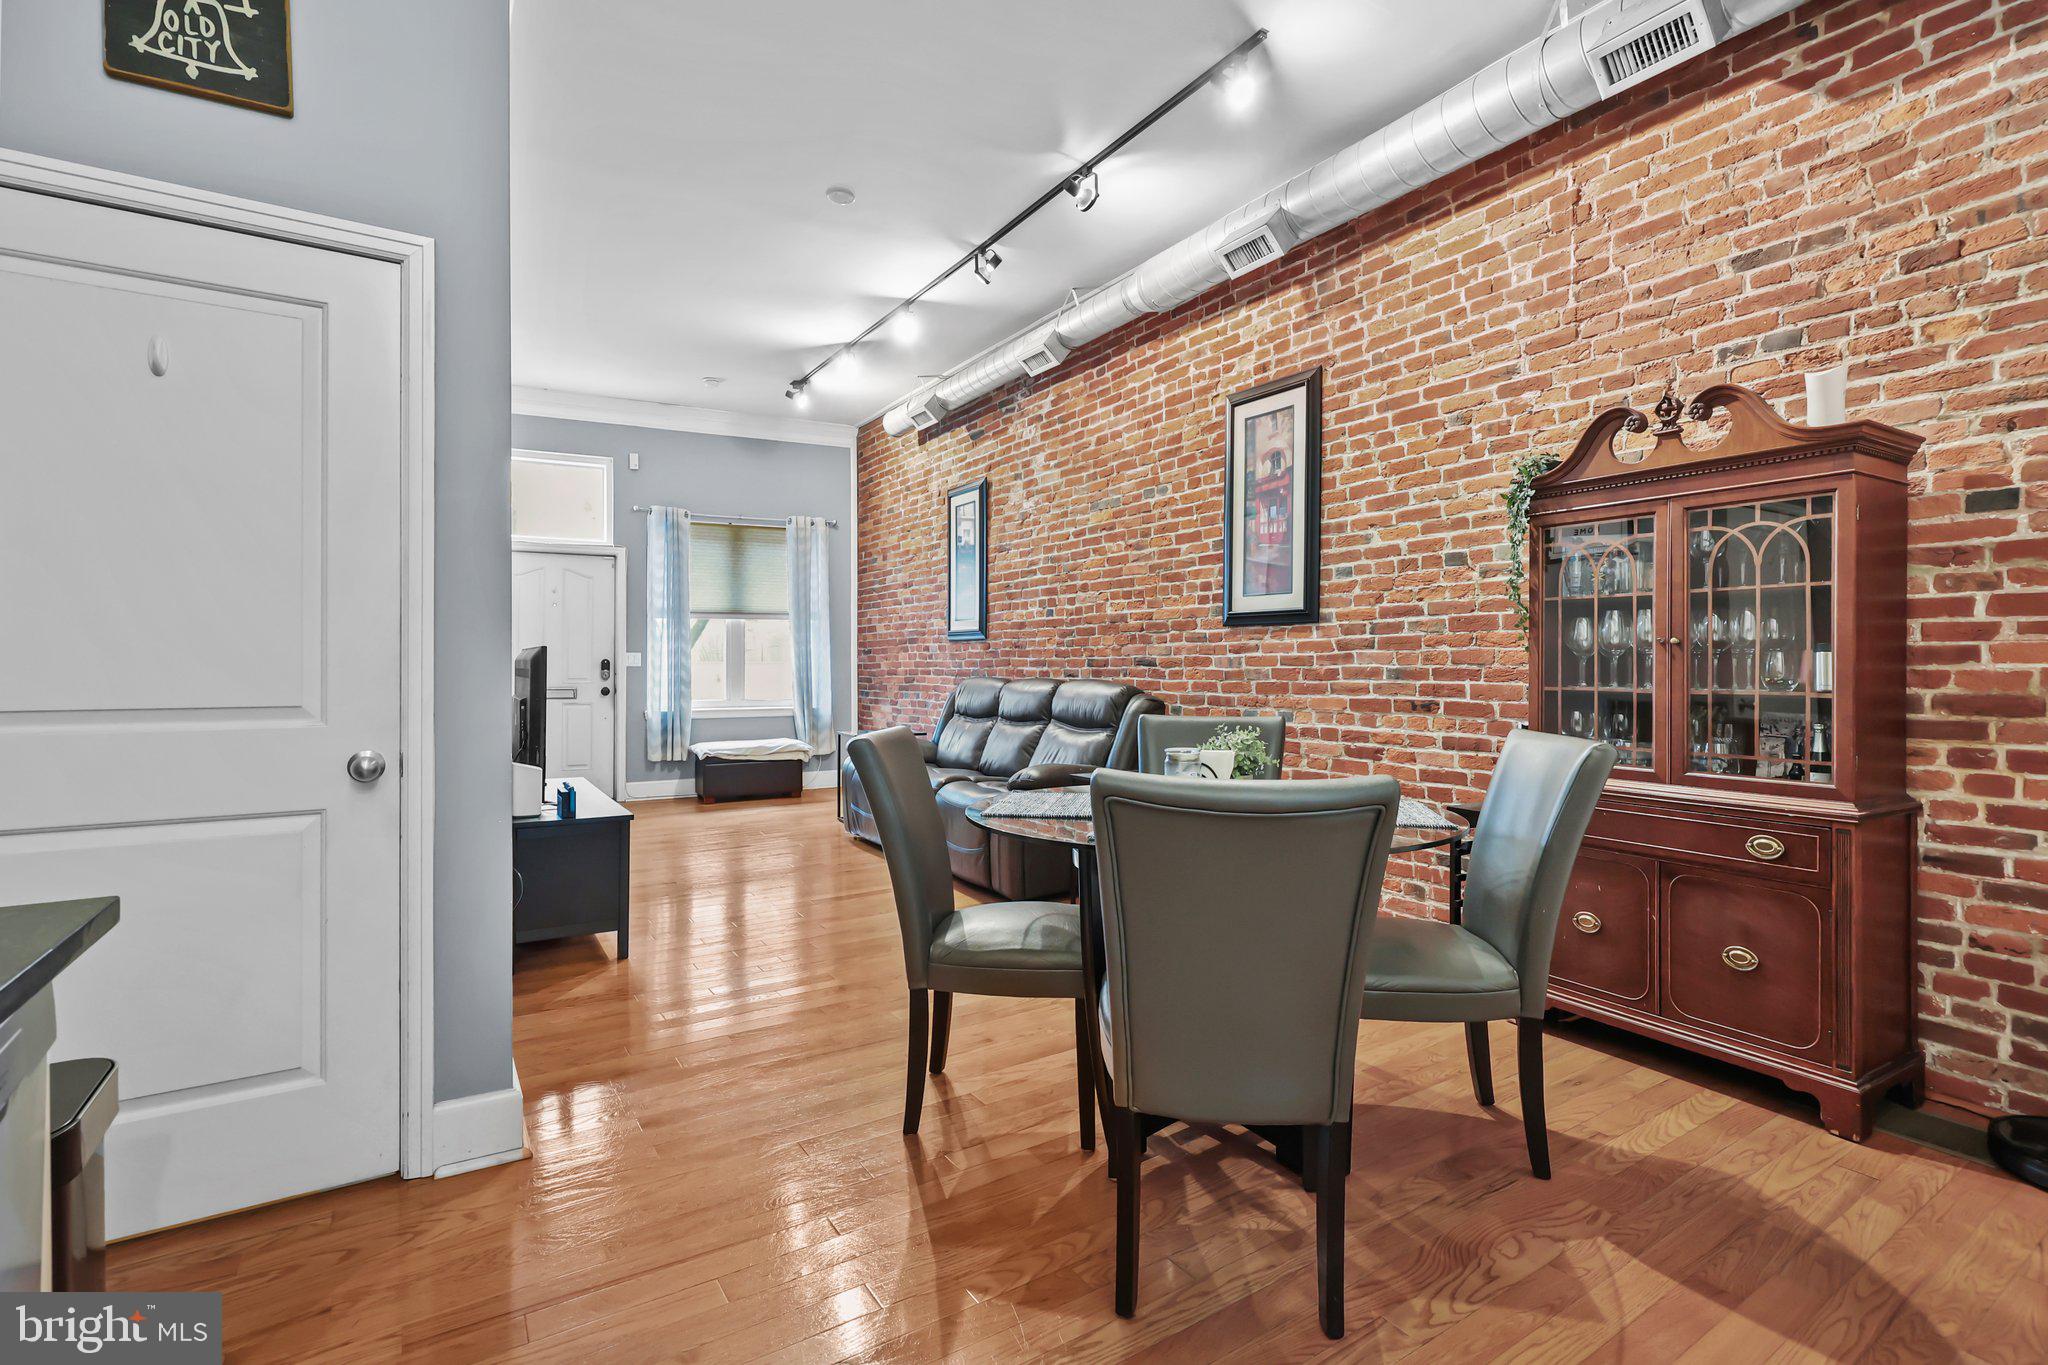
1086,189
1240,84
906,327
799,393
985,263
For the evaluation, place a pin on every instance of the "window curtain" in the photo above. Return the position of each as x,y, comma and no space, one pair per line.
810,628
667,710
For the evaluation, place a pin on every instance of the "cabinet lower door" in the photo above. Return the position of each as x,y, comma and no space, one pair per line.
1749,958
1606,937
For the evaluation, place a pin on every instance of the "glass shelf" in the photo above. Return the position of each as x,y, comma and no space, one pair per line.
1759,639
1599,635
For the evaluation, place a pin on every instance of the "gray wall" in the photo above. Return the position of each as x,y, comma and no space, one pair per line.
724,476
404,122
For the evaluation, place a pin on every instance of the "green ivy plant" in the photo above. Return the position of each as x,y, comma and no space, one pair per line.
1521,489
1252,758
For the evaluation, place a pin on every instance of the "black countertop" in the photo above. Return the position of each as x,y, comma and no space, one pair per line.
39,941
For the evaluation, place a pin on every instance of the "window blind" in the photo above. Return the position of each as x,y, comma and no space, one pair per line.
738,570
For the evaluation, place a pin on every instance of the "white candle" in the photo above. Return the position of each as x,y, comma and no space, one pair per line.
1827,396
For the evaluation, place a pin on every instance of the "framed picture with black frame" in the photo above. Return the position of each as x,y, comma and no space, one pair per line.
967,561
1272,503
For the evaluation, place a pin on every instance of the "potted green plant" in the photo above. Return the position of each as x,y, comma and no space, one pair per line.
1251,758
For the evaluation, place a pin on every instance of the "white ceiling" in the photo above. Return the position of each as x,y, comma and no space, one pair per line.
670,162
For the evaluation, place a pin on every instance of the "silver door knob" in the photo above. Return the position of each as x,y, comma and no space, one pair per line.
366,766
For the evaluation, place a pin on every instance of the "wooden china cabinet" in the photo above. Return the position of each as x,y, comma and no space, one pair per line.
1731,615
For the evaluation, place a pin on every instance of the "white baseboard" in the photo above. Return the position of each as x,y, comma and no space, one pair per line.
480,1130
661,789
666,789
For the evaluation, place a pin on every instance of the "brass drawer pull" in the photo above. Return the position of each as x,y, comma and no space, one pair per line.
1740,958
1766,847
1586,922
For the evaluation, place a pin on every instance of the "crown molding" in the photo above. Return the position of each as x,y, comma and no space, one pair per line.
635,412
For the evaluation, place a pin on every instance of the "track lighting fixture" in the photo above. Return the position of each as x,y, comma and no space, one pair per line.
799,394
1231,73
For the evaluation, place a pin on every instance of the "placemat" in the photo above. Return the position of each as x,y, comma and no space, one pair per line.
1059,803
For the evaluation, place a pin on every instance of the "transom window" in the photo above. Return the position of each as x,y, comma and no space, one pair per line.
565,499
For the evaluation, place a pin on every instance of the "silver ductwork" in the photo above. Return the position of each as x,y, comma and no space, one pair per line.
1545,80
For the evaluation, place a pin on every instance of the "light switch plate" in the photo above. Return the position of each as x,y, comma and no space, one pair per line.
632,661
632,459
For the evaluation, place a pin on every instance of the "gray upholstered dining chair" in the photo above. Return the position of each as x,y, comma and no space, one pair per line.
1016,948
1236,918
1158,733
1495,963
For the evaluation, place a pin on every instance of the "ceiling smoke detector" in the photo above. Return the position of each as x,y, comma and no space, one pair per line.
840,195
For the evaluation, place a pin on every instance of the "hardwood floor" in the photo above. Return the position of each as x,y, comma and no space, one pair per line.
717,1174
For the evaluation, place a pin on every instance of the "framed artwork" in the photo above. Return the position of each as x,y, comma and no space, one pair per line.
967,562
1272,512
235,51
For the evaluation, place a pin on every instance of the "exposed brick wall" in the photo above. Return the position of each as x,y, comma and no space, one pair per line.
1857,181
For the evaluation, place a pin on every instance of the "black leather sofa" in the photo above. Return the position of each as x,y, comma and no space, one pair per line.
996,735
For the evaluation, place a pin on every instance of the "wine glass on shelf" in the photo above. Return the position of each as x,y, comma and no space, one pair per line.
1616,638
1701,632
1721,635
1779,673
1744,629
1621,731
1578,577
1615,578
1579,640
1576,724
1646,644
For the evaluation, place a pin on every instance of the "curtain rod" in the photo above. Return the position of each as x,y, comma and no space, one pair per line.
832,522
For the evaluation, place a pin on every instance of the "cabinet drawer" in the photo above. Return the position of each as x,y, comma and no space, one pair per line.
1749,957
1605,935
1762,846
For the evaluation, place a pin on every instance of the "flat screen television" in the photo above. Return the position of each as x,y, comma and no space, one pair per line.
530,707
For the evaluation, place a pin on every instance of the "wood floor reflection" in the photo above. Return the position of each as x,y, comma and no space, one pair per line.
717,1174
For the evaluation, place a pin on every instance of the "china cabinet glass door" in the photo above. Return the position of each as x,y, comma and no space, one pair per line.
1759,639
1598,635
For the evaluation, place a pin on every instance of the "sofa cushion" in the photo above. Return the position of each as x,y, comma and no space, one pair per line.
1010,746
961,742
941,776
1088,705
978,697
1029,699
1065,744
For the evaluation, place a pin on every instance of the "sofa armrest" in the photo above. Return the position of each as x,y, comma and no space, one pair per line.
930,750
1040,775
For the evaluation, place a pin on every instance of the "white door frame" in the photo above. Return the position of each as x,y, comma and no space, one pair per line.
414,257
617,555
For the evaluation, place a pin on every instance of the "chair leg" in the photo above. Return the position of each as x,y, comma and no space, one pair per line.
1125,1149
942,1029
920,1043
1480,1057
1332,1144
1084,1074
1529,1055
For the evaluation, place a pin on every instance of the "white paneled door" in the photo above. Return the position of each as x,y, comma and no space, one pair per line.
568,601
199,627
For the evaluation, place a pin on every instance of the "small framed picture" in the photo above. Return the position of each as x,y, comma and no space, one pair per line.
967,562
1272,515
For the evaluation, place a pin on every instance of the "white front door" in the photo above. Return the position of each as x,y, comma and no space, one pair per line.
199,624
566,601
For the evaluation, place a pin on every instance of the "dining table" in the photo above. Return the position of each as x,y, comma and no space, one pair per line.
1064,816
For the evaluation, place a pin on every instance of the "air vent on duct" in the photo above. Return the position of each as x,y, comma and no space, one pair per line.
1647,47
927,411
1265,238
1043,351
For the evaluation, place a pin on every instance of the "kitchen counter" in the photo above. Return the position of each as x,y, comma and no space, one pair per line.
39,941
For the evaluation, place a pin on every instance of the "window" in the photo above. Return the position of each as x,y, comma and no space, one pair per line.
741,656
561,497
